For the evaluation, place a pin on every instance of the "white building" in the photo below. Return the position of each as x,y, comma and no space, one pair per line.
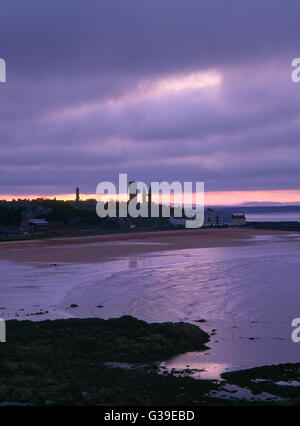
217,218
238,219
211,218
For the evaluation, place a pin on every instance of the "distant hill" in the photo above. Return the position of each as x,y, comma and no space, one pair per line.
268,204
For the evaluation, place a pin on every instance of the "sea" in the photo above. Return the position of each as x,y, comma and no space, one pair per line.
269,213
247,296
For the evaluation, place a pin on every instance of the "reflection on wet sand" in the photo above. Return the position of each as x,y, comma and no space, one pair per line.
247,295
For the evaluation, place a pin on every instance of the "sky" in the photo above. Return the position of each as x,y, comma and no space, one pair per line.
175,90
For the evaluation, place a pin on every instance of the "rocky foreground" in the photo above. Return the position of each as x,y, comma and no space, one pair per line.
66,362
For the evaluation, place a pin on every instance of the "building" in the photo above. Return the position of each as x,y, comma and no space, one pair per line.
217,218
133,190
211,218
150,196
177,221
238,219
77,198
35,225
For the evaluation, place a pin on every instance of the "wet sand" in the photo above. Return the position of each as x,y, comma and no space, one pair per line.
99,248
248,310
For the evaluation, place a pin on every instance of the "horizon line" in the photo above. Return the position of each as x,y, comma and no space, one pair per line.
212,198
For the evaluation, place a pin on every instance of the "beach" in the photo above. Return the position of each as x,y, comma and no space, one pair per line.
99,248
239,285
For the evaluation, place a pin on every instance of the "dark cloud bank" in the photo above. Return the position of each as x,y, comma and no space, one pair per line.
78,106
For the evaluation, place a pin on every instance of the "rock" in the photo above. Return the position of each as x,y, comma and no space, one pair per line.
57,360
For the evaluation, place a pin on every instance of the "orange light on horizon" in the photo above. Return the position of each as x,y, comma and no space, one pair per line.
221,198
232,198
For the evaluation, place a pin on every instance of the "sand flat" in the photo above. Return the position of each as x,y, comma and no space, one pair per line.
243,282
99,248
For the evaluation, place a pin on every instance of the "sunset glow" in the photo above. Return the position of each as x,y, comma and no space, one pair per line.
212,198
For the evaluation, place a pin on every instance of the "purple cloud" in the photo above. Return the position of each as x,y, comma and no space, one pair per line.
103,87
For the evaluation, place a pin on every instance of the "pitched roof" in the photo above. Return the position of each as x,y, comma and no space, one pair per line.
38,221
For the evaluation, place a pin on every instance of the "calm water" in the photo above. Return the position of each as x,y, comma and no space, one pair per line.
273,217
248,294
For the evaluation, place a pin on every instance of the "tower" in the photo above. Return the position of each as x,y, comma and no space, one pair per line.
77,199
149,201
133,187
150,196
